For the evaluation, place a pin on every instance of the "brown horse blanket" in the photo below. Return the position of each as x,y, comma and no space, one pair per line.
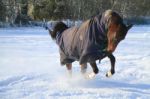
84,43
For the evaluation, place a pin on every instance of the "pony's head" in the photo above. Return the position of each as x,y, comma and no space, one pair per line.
117,30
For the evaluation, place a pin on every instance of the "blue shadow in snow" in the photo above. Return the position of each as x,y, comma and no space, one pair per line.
114,84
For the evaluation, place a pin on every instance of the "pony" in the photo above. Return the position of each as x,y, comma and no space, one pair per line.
95,39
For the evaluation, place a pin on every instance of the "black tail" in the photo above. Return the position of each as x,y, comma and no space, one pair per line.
59,27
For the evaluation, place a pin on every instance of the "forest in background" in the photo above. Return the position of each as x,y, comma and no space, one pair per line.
25,11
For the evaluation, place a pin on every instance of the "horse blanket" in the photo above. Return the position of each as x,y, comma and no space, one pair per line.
84,43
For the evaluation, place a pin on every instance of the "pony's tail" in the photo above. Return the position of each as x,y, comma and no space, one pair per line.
58,28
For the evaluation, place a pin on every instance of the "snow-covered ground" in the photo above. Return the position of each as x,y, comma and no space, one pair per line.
30,69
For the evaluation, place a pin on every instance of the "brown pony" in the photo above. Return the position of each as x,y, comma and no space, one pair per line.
93,40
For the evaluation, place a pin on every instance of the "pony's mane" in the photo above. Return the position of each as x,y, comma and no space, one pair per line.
108,13
59,27
113,17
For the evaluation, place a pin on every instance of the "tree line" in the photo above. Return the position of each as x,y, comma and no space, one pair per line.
16,11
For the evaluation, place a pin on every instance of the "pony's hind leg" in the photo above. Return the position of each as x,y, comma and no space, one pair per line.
95,70
83,68
69,68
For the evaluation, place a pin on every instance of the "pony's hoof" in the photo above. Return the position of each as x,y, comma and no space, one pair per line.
91,75
109,74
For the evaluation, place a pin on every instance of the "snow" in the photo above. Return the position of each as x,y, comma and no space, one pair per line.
30,69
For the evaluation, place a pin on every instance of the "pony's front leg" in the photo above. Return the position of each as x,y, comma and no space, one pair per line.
95,70
112,70
69,68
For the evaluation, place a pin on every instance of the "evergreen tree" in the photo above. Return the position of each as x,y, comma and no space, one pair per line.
2,11
70,9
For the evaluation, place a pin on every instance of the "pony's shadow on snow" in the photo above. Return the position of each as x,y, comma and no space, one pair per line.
115,84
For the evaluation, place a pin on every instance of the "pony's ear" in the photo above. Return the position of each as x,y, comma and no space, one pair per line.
129,26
